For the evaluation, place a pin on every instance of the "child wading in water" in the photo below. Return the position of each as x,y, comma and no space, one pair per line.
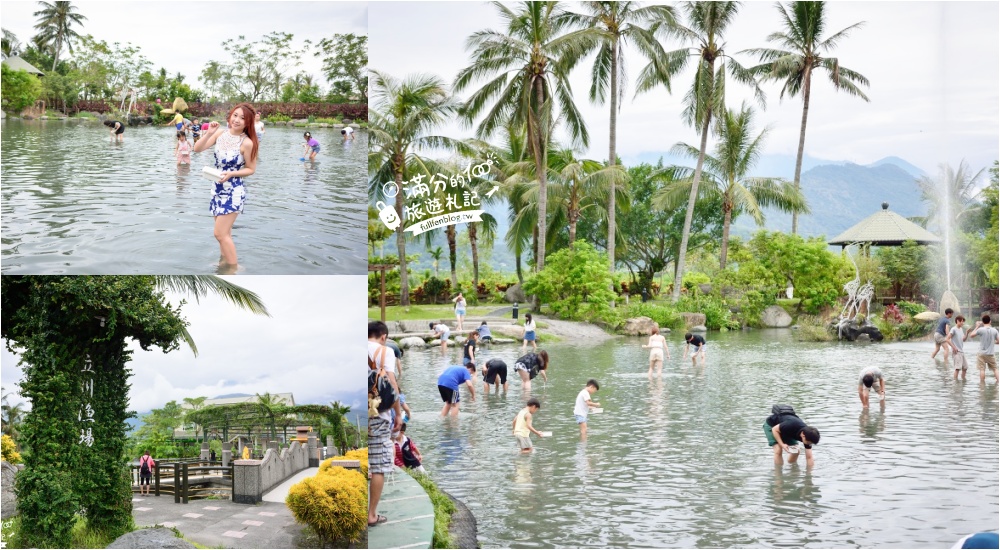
310,145
236,156
183,149
522,425
583,405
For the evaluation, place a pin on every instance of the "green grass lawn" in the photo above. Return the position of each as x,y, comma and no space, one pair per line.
421,312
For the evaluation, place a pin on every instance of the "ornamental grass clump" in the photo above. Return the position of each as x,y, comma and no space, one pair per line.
334,503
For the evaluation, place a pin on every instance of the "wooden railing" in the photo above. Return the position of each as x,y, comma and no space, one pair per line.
186,479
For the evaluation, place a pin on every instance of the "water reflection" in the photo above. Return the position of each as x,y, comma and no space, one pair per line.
871,424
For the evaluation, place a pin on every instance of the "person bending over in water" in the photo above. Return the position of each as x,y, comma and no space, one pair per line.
866,380
529,366
311,146
698,342
117,130
784,429
441,330
657,347
494,374
450,381
522,425
236,156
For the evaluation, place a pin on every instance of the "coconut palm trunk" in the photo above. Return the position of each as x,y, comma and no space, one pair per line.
689,215
806,81
612,158
727,219
452,259
404,280
474,243
540,152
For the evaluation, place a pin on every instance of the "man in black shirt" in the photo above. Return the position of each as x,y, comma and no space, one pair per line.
784,434
698,342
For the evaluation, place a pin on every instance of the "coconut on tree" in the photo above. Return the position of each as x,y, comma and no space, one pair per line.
804,51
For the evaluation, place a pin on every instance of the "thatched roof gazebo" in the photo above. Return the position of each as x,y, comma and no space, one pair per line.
18,64
885,228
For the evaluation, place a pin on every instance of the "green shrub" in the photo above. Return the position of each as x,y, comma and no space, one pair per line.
911,308
576,285
717,313
334,503
278,117
694,278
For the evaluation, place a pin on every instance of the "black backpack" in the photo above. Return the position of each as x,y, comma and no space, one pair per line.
381,393
778,411
144,465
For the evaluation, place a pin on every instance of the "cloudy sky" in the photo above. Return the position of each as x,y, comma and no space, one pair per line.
934,69
184,36
309,346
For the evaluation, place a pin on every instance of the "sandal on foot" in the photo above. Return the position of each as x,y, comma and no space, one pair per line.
381,519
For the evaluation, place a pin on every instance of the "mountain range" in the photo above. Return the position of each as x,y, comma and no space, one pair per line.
839,194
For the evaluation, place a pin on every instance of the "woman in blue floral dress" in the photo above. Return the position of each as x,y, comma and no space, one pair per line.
236,155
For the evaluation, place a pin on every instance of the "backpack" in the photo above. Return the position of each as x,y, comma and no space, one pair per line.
381,393
144,465
778,411
409,457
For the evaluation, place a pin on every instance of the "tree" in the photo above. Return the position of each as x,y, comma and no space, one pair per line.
271,408
60,89
400,118
12,416
619,22
707,21
436,253
528,64
345,62
256,69
652,236
18,89
71,333
575,284
55,26
736,153
195,403
804,51
10,45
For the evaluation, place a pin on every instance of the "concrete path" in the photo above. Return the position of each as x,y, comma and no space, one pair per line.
279,492
221,523
410,514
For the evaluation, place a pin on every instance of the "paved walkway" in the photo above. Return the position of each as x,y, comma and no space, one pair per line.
410,513
279,492
221,523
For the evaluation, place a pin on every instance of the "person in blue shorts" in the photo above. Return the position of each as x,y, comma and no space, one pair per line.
311,146
698,342
448,385
469,349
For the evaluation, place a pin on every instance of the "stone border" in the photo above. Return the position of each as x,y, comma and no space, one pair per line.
462,526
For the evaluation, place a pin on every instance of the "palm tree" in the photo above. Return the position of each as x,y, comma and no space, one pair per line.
581,184
10,45
270,407
735,155
400,116
619,23
528,65
338,417
195,404
200,286
707,21
55,25
436,254
805,49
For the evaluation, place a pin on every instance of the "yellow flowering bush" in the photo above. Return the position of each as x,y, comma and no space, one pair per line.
360,455
334,503
9,450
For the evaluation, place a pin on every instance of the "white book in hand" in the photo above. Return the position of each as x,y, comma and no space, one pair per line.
596,410
546,434
212,173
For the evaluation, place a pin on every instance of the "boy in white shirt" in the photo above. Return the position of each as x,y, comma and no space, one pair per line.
956,338
583,406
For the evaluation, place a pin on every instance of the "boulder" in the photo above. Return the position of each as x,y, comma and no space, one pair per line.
949,301
159,537
412,342
927,316
705,288
639,326
775,317
851,331
503,341
863,338
510,331
8,500
693,319
414,326
699,328
515,294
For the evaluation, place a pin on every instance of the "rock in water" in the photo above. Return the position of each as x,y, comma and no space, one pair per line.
412,342
775,317
927,316
160,537
699,328
639,326
515,294
693,319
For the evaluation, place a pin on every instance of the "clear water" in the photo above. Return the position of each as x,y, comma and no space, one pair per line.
682,461
74,203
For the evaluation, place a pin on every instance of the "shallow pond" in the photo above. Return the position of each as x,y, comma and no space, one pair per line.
681,461
74,203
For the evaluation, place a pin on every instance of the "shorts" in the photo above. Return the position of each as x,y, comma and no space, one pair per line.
315,148
523,442
496,370
580,419
145,478
446,335
381,450
180,126
529,336
983,361
448,395
467,361
656,354
485,338
771,441
459,312
939,338
120,130
960,361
